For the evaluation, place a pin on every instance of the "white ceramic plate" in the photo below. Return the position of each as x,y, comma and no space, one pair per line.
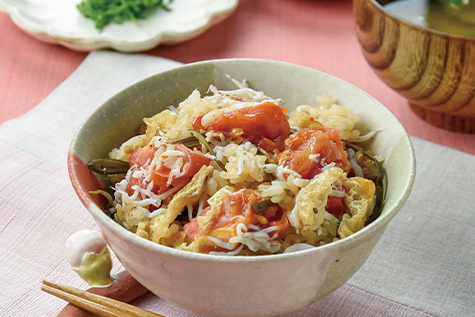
59,22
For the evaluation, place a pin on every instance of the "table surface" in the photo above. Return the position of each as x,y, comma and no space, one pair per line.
319,34
278,30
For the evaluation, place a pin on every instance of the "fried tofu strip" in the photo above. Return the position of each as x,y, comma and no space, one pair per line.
359,200
161,123
189,194
309,210
207,220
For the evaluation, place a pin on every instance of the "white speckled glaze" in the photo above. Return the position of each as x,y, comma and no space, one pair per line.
59,22
242,286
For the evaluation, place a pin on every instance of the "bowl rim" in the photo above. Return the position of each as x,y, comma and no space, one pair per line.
380,7
348,242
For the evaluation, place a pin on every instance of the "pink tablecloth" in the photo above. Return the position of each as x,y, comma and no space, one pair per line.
314,33
424,263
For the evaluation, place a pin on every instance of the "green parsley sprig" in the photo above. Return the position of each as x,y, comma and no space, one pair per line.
458,2
104,12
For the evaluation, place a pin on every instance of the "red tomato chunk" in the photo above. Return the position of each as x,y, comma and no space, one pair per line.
311,149
192,162
236,209
265,125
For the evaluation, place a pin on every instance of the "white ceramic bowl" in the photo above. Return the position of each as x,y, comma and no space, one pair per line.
239,286
59,22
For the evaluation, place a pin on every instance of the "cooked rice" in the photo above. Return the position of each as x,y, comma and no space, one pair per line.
246,166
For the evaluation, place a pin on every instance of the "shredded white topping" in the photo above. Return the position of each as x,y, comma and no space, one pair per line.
292,215
256,240
314,157
170,153
351,157
157,212
172,190
363,138
221,243
200,206
327,166
336,150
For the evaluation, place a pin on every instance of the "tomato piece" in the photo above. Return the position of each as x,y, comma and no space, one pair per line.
192,228
336,206
192,162
236,209
264,125
140,157
311,149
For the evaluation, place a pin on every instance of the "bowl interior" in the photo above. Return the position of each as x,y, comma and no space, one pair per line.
121,116
444,16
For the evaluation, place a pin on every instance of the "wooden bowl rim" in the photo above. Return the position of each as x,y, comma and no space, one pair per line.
380,7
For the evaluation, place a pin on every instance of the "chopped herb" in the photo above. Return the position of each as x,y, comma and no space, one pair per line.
104,12
202,139
456,2
381,183
189,142
110,210
263,205
198,139
106,166
105,194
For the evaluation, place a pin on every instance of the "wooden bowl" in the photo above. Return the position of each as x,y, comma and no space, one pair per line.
435,71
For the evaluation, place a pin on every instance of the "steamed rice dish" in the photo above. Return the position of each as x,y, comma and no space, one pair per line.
234,173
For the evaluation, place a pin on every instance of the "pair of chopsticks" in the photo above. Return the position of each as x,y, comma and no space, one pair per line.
97,304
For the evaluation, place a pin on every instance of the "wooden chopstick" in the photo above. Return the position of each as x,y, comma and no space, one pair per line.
97,304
